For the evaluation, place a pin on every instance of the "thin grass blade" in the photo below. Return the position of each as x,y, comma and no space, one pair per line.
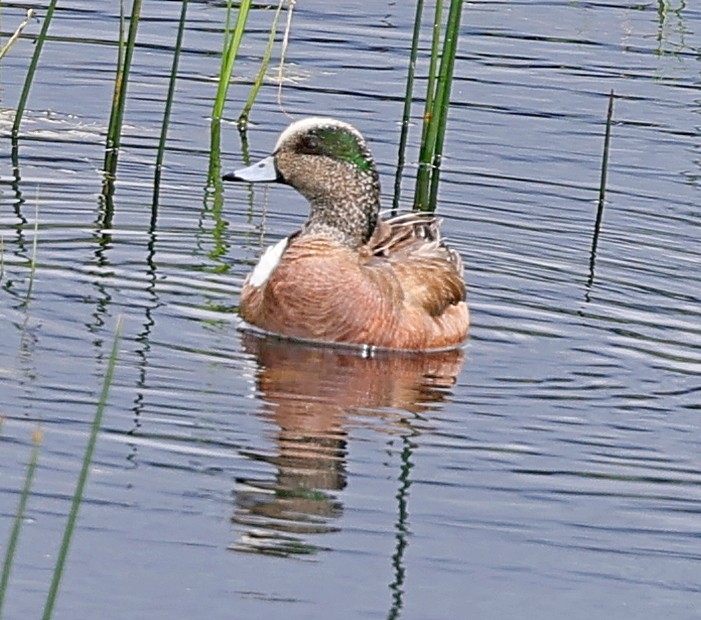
18,31
283,52
83,476
602,191
19,516
229,54
120,95
265,62
38,47
166,113
33,259
232,42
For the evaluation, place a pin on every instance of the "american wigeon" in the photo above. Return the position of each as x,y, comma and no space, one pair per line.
347,276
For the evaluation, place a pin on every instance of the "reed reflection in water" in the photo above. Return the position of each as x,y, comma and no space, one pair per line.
311,395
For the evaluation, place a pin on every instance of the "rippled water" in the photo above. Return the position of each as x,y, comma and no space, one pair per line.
551,468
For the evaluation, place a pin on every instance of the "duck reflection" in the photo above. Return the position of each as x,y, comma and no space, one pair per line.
309,393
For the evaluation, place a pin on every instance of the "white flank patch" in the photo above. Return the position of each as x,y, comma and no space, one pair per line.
267,263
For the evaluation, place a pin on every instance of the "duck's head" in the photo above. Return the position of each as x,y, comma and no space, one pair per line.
330,164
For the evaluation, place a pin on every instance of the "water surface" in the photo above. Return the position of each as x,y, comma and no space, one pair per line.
550,468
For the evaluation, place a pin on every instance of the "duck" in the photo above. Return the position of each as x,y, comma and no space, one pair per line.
348,276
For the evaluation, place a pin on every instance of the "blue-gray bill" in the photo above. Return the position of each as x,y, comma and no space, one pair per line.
262,172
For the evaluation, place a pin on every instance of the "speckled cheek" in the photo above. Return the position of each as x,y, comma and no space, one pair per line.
293,167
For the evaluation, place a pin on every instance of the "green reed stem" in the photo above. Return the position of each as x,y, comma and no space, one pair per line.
120,49
82,478
19,517
602,189
408,97
120,70
166,113
445,81
423,175
605,157
38,46
227,32
436,111
265,62
431,81
231,47
121,80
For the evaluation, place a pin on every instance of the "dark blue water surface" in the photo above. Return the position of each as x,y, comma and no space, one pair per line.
550,469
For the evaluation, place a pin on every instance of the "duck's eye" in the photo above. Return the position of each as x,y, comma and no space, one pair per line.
311,144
